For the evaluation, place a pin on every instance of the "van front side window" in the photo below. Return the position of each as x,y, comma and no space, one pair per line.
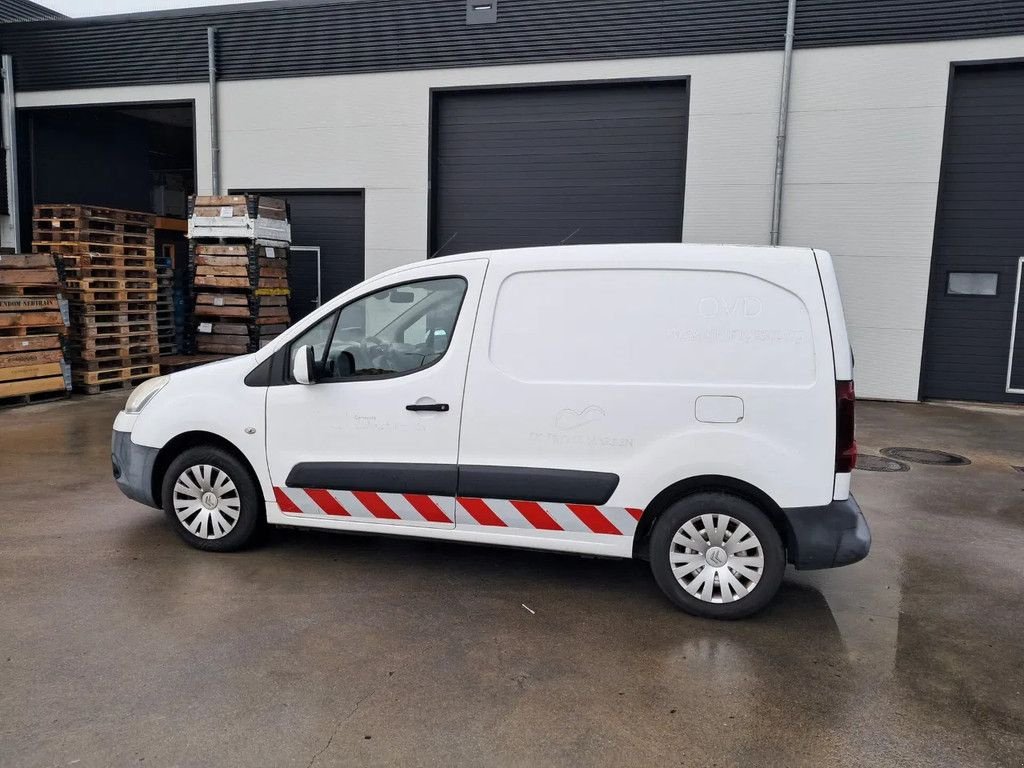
393,331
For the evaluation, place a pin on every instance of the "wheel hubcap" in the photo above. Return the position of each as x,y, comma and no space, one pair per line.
716,558
206,501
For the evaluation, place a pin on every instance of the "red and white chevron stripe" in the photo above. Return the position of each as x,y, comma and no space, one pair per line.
490,513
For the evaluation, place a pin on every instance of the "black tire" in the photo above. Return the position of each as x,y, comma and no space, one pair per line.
251,518
661,548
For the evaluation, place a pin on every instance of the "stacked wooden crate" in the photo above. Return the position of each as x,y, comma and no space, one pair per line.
110,282
238,265
33,323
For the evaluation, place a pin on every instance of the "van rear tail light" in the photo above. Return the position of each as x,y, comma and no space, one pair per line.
846,444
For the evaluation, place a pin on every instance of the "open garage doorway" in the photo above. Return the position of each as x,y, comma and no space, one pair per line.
138,156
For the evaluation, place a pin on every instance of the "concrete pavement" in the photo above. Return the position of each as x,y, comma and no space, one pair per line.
122,646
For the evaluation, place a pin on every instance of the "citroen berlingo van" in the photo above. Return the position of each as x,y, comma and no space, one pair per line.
689,405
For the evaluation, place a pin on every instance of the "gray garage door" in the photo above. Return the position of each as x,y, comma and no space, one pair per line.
599,163
979,243
328,235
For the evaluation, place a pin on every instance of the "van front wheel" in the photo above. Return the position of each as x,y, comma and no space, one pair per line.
717,556
211,500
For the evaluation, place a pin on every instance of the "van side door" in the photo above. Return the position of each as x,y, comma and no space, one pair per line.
374,442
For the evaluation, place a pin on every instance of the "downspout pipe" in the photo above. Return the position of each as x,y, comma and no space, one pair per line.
780,145
211,50
10,127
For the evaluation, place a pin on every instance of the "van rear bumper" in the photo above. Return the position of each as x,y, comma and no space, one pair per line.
827,537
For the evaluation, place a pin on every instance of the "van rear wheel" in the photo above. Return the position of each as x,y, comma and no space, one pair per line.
717,556
211,500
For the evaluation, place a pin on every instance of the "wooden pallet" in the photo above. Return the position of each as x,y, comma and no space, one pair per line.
79,260
214,206
114,348
26,323
248,251
31,343
102,213
28,358
111,296
28,274
224,345
172,363
30,371
108,375
243,283
116,363
263,316
110,249
110,386
89,224
129,333
38,391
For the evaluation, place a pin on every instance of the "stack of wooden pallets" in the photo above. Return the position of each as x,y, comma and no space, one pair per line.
238,267
33,324
110,282
165,326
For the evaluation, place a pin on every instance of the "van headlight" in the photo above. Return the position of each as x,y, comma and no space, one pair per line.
143,393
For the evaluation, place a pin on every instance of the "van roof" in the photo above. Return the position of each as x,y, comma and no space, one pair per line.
636,254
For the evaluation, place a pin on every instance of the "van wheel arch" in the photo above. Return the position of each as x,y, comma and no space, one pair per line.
182,443
706,484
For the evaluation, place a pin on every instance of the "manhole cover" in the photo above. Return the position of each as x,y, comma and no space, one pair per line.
925,456
880,464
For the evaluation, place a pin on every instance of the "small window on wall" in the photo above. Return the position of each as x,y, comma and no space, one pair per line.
972,284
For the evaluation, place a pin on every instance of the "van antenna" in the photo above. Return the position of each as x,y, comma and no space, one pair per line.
570,235
446,244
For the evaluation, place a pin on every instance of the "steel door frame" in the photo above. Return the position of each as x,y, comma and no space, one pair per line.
1010,390
319,273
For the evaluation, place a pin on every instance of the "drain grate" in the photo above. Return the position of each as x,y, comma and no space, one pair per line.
880,464
925,456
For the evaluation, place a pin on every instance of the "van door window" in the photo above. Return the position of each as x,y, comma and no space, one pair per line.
395,331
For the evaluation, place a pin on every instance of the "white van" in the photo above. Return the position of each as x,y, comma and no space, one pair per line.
689,405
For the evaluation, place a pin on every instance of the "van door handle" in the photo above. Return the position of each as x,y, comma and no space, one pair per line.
440,407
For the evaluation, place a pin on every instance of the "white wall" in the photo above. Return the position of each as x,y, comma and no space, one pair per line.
862,172
861,180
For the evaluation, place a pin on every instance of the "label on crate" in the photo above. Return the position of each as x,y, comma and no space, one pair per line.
218,301
56,223
269,251
206,327
227,211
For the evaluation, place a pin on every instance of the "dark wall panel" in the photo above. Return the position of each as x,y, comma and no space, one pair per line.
334,221
536,166
979,228
90,160
323,37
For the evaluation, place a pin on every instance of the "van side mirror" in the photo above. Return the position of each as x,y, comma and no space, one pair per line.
304,369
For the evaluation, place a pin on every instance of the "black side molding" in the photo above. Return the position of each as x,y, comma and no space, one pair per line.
564,486
567,486
426,479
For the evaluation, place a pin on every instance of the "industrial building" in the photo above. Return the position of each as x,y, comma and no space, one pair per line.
403,129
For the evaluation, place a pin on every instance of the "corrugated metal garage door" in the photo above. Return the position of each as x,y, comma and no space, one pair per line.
979,240
331,223
600,163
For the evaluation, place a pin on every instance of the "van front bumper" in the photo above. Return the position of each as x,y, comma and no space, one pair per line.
827,537
133,468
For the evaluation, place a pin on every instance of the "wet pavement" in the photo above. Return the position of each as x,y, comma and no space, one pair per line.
119,645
